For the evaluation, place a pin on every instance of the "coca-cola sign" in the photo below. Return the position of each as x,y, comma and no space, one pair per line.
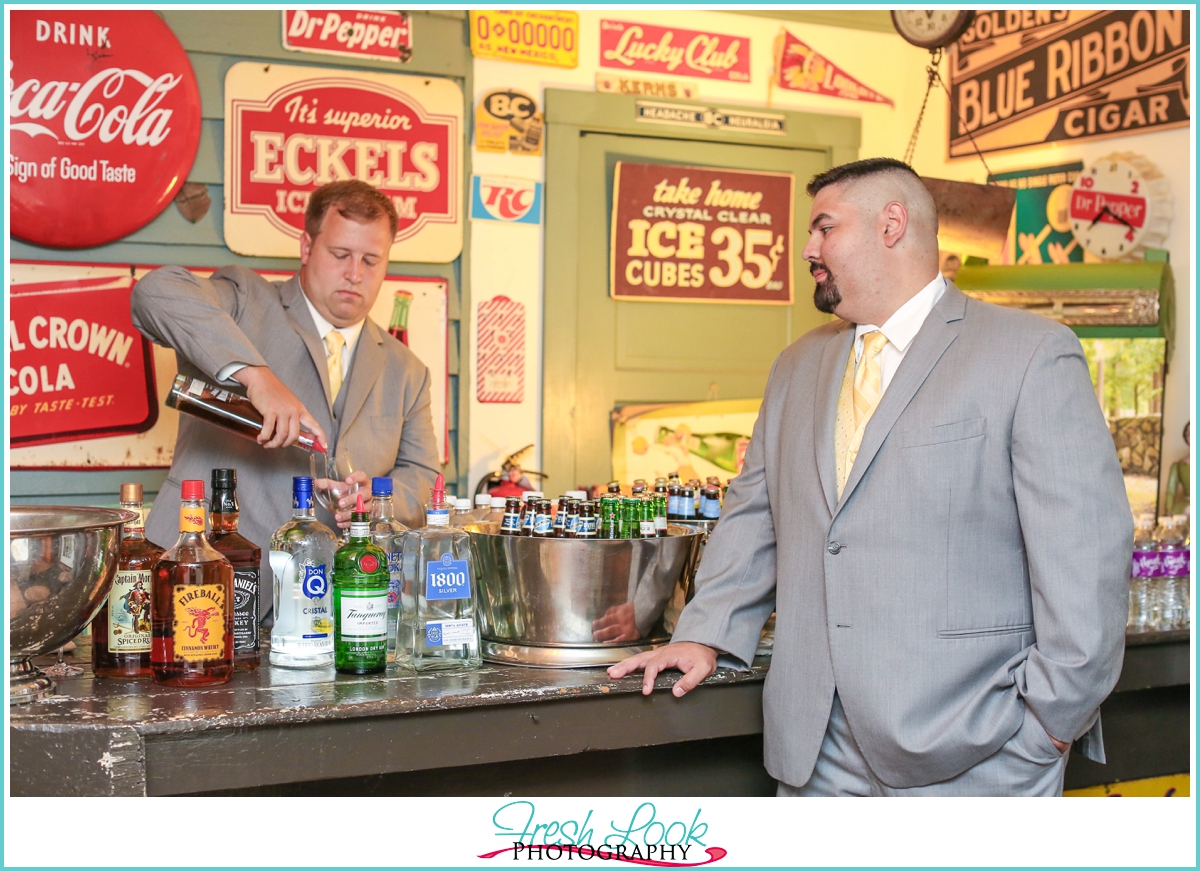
105,121
289,130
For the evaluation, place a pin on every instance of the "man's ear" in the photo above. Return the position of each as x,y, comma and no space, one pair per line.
306,243
895,223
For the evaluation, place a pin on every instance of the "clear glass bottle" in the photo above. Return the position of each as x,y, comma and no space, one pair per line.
121,628
438,629
387,534
192,604
302,553
360,588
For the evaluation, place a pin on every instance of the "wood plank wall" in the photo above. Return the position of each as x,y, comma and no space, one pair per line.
215,41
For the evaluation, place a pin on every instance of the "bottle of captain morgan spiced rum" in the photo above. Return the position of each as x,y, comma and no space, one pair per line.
121,629
192,605
246,558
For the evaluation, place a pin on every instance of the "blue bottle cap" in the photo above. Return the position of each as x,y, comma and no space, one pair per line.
381,486
304,483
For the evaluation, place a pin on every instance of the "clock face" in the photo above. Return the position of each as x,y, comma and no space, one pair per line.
1110,208
931,28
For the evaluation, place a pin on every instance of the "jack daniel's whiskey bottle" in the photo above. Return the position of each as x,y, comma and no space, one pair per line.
246,558
121,630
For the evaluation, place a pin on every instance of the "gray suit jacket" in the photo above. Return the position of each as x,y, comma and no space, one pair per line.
977,562
382,413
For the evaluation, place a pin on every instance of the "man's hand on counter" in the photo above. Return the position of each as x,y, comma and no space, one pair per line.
283,414
696,661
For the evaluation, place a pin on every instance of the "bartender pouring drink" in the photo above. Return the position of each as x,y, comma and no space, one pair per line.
308,357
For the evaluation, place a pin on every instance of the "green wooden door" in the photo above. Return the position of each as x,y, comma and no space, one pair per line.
601,353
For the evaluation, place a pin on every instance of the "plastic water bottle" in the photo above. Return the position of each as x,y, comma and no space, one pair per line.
1173,581
1147,565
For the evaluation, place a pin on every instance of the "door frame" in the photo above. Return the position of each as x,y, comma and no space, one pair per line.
569,114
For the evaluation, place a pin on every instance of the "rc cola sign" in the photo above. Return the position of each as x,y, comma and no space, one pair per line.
105,120
289,130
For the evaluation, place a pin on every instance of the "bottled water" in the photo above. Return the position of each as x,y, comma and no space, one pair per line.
1173,581
387,534
1147,565
438,629
302,561
463,515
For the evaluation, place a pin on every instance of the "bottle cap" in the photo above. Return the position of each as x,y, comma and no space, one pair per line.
192,490
131,492
462,504
531,494
302,483
483,500
224,479
496,502
437,494
381,486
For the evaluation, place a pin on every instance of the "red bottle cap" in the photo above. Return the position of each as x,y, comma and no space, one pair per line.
358,506
192,490
438,493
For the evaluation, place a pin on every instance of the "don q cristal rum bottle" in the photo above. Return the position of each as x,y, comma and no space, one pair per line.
301,559
192,605
437,622
360,600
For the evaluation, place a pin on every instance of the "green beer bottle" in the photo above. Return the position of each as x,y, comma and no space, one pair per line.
360,591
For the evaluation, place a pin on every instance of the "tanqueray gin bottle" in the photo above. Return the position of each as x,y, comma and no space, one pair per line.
302,561
438,629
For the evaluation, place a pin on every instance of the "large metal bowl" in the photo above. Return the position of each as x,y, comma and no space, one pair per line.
566,603
61,564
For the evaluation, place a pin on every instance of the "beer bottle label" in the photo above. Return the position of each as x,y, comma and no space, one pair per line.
198,627
129,613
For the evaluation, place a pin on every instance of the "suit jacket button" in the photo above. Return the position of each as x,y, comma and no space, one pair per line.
834,548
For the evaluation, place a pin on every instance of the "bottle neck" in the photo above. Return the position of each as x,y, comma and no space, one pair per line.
360,531
225,521
191,518
135,530
381,508
437,514
305,509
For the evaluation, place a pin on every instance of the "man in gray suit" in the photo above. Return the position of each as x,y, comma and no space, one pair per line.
308,356
932,505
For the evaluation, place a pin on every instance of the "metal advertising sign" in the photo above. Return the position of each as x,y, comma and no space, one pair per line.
503,198
500,355
738,120
701,234
508,121
289,130
376,33
649,48
614,83
105,121
79,368
546,37
1027,77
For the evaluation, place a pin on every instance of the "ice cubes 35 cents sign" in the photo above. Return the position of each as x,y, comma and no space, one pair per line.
290,130
701,234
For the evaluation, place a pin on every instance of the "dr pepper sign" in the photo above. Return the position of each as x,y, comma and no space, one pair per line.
105,121
700,234
289,130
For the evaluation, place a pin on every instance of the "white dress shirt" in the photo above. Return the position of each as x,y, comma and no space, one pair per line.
324,328
901,328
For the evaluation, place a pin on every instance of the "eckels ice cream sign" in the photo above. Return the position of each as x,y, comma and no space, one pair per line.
105,121
290,130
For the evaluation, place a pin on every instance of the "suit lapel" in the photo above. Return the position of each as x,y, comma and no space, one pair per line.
936,335
829,385
292,298
369,358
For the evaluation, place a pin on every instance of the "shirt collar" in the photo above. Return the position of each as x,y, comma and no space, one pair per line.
902,327
324,328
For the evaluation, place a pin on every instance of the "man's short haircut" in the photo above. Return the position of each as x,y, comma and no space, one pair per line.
354,200
856,170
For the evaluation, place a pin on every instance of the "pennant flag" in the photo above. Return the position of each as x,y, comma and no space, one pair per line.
801,68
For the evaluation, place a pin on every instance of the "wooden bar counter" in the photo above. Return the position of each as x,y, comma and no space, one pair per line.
500,729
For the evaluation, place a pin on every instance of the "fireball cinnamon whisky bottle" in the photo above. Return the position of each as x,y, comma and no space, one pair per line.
192,604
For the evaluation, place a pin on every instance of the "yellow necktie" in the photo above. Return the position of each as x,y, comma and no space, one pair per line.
333,350
862,387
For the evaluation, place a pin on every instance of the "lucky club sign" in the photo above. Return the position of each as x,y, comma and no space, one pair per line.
105,120
649,48
699,234
289,130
